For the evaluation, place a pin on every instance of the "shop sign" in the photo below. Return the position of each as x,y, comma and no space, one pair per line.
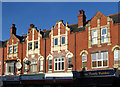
34,77
10,78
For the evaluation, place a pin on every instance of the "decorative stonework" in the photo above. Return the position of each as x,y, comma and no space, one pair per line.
116,46
59,47
83,51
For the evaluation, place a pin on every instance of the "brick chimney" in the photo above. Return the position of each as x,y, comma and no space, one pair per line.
31,26
81,18
13,29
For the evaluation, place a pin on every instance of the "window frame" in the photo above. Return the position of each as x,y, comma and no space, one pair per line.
83,61
63,61
102,59
41,69
94,37
30,46
117,57
55,41
62,39
32,65
36,45
49,64
69,64
14,49
104,35
10,49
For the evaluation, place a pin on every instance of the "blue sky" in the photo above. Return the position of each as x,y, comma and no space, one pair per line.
45,14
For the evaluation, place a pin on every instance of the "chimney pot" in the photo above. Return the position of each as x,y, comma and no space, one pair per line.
44,29
31,25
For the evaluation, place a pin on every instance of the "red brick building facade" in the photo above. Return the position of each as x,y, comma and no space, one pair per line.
91,44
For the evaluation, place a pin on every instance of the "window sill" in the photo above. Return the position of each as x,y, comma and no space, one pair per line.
99,67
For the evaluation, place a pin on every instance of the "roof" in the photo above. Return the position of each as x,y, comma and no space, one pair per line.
116,18
21,38
45,34
74,28
3,43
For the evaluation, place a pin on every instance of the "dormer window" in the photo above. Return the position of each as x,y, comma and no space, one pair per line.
10,49
62,40
104,35
15,50
55,41
36,44
30,46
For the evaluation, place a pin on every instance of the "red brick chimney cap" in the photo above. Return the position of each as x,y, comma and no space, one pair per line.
13,25
81,11
31,25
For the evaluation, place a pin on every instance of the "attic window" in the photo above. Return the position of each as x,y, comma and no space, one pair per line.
10,49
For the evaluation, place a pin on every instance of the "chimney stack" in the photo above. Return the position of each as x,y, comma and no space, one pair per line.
31,26
13,29
81,18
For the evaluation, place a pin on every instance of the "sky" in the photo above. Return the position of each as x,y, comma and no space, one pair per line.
45,14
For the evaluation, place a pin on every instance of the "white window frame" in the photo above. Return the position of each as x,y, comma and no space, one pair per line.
15,49
61,40
36,45
7,68
116,56
49,64
41,65
10,49
29,46
94,37
54,41
33,64
84,59
61,61
99,58
25,67
104,35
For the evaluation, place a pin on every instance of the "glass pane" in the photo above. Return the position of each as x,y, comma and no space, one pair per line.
105,63
56,41
84,64
63,40
62,65
55,66
94,64
99,63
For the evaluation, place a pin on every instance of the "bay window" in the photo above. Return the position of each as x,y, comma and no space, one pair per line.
36,44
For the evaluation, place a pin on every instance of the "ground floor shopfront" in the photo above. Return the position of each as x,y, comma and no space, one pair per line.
96,78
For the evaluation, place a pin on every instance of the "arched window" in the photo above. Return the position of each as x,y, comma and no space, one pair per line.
117,57
69,56
84,60
49,58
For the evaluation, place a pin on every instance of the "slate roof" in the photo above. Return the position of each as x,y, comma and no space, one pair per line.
116,18
74,28
3,43
21,38
45,34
